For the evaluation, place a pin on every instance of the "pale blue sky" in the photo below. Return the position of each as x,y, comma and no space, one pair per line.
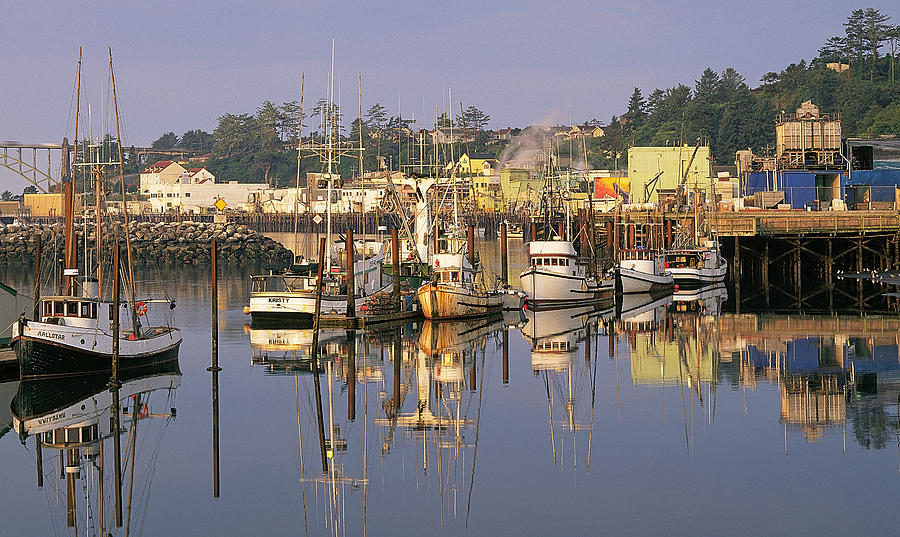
179,65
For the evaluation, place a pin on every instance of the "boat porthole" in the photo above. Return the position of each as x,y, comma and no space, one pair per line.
82,407
82,342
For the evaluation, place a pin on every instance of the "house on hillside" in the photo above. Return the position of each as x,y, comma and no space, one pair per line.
164,172
527,159
196,176
446,135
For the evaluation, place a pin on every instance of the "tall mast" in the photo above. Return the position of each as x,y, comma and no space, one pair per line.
299,160
69,209
329,134
453,165
136,327
362,177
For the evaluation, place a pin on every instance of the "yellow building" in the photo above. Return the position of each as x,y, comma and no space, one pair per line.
670,164
11,208
43,205
520,187
476,164
487,193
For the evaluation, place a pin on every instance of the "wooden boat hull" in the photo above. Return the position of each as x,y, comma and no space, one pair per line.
451,302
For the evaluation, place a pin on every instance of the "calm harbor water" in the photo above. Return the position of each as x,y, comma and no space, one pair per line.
674,416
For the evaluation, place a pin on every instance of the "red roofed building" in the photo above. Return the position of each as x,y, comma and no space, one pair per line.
164,172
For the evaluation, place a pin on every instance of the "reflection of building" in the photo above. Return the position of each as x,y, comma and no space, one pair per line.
813,402
829,369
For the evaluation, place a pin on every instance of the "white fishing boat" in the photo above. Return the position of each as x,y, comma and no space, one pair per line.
643,271
289,296
697,267
555,278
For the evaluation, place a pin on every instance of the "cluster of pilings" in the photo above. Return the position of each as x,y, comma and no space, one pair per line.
803,271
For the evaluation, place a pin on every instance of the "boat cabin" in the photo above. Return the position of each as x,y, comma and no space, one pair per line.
69,307
554,256
691,259
453,269
638,254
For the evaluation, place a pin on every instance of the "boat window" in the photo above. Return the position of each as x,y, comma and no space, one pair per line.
59,308
455,276
48,309
110,312
85,309
553,261
567,262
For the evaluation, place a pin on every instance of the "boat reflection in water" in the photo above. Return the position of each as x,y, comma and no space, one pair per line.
75,417
558,340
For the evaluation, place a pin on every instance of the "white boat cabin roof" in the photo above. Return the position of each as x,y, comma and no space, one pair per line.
551,248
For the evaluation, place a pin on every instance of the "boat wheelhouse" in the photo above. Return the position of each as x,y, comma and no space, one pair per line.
642,270
696,267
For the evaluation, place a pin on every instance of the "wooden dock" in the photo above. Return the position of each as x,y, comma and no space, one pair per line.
803,223
9,365
363,321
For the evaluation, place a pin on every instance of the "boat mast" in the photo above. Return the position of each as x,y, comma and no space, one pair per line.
69,196
362,177
136,327
329,135
299,161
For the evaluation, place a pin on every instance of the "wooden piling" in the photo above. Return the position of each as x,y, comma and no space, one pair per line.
36,314
351,375
504,260
505,356
351,275
470,243
71,463
397,362
214,368
395,268
39,460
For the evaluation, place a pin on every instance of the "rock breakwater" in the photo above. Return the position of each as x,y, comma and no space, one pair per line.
175,243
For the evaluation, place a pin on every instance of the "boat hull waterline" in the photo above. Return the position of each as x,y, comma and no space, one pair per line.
550,289
47,351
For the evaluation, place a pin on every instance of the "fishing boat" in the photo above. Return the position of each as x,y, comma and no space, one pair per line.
72,333
454,292
291,295
697,267
642,270
514,231
706,301
556,278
